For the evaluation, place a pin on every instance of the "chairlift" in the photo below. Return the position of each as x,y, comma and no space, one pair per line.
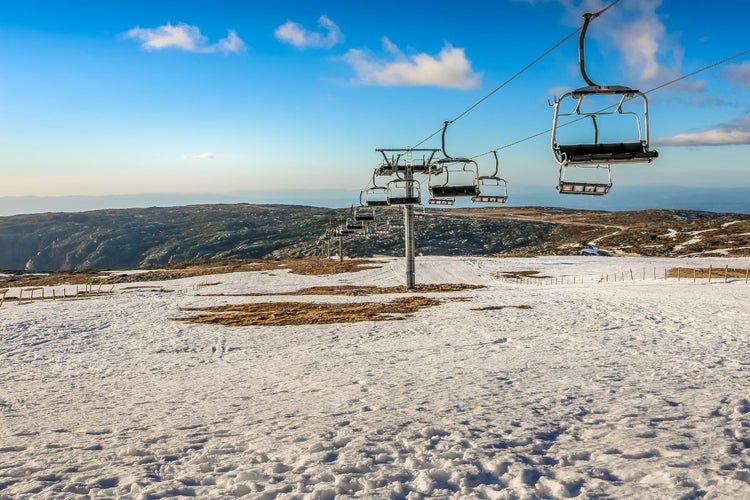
363,212
453,177
354,224
345,229
402,161
376,196
618,109
588,187
492,188
404,192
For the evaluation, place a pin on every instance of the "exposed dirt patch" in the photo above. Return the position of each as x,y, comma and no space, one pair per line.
301,313
499,308
317,266
306,266
353,290
704,272
523,274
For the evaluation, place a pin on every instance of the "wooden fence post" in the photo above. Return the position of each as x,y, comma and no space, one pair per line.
710,270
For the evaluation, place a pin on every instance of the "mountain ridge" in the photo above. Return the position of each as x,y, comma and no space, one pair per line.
148,237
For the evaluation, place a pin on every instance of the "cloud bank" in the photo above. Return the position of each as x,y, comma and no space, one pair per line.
296,35
449,69
185,37
736,132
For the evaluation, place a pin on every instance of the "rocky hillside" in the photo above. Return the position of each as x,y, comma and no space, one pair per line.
138,238
135,238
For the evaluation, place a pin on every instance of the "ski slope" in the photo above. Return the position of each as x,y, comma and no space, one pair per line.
599,389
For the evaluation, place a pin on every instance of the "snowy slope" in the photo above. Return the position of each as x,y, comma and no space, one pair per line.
625,389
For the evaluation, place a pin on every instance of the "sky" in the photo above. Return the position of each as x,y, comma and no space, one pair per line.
223,97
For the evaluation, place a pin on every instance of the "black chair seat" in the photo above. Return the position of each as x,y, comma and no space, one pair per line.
404,200
449,191
603,152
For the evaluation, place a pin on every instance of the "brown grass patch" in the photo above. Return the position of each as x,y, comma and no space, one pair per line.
354,290
307,266
318,266
703,272
498,308
301,313
523,274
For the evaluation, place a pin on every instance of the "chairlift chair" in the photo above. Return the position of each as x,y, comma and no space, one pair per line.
630,149
600,102
402,161
452,177
376,195
354,224
459,179
404,192
363,212
587,187
492,188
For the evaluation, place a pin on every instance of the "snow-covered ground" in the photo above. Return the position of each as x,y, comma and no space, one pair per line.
601,389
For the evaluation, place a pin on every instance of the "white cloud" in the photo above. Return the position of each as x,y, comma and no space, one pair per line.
232,44
202,156
296,35
634,30
185,37
449,69
739,74
736,132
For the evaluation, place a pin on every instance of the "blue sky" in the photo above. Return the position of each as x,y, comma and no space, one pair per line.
123,97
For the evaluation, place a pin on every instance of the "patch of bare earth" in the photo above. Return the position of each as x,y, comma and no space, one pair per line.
301,313
353,290
499,308
305,313
306,266
705,272
523,274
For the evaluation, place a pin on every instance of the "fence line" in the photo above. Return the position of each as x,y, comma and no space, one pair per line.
713,276
28,295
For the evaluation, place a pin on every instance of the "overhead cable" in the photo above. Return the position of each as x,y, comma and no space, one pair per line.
516,75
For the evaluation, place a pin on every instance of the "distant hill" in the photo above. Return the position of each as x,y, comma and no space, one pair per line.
151,237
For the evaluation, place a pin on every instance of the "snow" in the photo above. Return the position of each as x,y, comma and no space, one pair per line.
691,241
612,388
